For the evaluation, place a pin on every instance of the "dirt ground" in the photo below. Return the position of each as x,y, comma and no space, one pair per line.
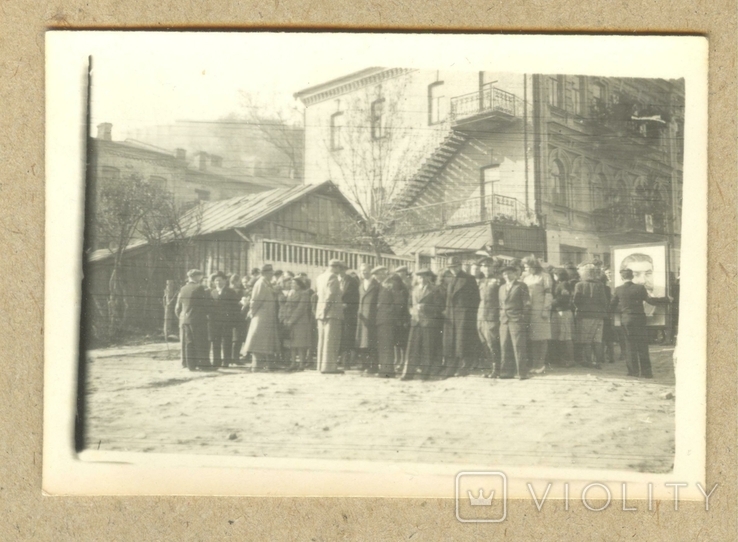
140,399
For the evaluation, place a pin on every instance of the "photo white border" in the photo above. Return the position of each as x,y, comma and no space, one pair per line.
112,473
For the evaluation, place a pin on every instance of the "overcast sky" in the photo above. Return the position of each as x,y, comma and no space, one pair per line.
146,78
170,77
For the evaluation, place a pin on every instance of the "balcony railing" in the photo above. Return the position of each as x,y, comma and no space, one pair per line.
623,220
624,120
492,208
488,100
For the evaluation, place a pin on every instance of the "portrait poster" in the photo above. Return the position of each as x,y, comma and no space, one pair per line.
650,268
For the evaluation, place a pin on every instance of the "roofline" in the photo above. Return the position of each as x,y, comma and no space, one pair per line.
348,83
337,81
311,189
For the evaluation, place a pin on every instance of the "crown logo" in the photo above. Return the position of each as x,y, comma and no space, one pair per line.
480,500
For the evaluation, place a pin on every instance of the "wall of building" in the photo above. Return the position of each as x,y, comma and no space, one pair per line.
413,133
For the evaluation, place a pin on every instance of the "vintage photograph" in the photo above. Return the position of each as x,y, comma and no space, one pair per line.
399,263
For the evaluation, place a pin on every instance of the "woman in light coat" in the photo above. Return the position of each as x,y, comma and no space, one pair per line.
262,341
539,285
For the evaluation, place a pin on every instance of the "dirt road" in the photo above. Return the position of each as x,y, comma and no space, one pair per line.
140,399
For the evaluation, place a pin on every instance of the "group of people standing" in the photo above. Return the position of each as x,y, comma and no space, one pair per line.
507,319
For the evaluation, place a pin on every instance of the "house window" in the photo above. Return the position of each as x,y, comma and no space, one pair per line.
436,103
377,119
490,175
554,92
203,195
558,177
574,101
598,192
337,121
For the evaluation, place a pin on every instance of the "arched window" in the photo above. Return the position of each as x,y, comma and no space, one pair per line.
558,181
599,182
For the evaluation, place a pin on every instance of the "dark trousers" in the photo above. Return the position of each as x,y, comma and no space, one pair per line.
195,345
489,335
636,345
386,350
513,343
224,344
421,344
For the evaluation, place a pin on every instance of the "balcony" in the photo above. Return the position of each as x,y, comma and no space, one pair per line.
477,109
493,208
623,124
621,219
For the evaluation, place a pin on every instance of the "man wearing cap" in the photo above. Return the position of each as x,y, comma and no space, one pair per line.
427,306
350,299
223,321
262,341
488,315
514,309
366,338
460,328
192,311
402,331
329,314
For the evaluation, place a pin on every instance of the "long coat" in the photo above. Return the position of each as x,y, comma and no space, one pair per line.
263,336
193,305
224,313
425,330
350,300
330,293
541,296
366,336
460,324
298,319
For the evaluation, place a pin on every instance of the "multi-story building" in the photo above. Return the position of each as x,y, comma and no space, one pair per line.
561,166
189,179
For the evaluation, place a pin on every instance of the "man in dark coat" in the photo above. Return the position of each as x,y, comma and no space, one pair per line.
192,311
350,300
460,326
628,299
427,306
366,330
224,321
514,309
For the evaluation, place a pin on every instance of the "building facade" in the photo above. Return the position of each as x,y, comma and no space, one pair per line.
561,166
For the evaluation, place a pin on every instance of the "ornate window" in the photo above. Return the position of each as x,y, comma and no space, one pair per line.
558,178
554,91
599,182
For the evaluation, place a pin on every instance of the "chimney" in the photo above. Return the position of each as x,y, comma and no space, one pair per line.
105,131
203,161
216,161
181,155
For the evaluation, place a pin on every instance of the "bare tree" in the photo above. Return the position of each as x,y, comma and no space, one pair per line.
372,152
279,126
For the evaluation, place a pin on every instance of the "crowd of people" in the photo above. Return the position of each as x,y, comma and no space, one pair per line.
505,319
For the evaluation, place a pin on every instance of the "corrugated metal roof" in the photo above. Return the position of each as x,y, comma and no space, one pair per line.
242,211
471,238
238,212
